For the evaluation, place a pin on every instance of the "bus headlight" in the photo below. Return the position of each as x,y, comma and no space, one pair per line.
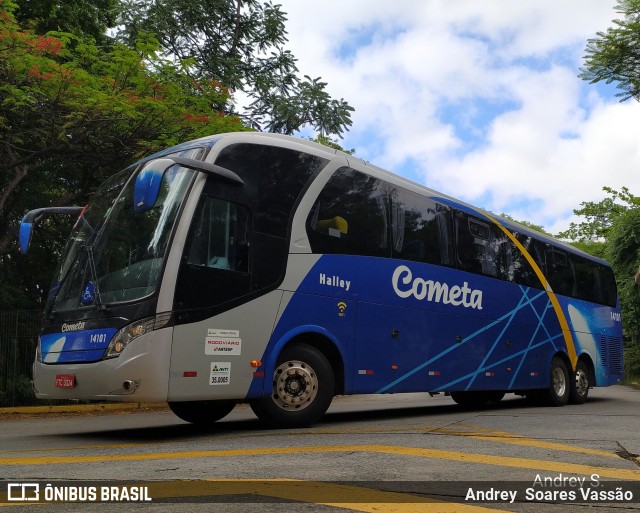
127,335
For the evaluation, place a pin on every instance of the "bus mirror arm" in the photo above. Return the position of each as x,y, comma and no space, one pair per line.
147,186
33,217
212,169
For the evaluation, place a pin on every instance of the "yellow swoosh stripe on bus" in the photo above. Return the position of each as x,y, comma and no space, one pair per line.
566,333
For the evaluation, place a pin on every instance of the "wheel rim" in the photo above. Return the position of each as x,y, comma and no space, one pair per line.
582,382
559,382
295,385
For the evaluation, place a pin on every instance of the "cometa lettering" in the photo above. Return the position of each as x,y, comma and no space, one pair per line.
73,327
405,285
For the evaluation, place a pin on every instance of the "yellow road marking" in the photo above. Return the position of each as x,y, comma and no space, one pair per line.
510,438
483,459
478,433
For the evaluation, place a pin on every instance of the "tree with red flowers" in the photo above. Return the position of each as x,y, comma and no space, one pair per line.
72,114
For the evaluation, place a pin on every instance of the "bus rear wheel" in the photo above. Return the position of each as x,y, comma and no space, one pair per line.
580,384
559,385
303,387
202,412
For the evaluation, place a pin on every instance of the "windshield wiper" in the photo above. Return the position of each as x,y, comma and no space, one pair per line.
94,277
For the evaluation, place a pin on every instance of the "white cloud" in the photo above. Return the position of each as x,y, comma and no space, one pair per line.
478,99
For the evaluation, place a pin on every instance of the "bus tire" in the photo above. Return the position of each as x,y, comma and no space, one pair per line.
202,413
580,384
303,387
474,399
559,384
495,397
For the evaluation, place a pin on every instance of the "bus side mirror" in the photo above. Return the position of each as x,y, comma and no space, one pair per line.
147,186
26,231
33,217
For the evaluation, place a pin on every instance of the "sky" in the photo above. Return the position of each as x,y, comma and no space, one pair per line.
480,100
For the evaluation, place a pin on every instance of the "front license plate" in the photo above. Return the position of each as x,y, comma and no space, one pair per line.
65,381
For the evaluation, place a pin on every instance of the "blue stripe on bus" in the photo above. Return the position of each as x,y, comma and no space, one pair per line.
482,330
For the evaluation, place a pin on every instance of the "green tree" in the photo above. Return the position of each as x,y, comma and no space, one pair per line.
624,255
600,216
331,143
614,55
89,18
70,115
611,230
240,43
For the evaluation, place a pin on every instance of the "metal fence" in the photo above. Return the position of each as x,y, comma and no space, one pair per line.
18,338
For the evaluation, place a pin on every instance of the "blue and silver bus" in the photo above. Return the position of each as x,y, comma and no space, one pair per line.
259,268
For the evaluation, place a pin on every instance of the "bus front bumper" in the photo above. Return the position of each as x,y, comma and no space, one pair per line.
139,374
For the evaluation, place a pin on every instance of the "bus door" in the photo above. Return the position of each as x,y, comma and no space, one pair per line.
213,274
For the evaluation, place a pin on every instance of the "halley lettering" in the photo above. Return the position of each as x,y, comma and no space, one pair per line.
334,281
457,295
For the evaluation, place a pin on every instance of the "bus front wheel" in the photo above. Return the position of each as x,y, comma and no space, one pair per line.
202,412
303,387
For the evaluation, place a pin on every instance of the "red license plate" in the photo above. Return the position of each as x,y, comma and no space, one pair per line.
65,381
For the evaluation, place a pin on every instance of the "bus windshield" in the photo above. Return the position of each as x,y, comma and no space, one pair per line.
115,254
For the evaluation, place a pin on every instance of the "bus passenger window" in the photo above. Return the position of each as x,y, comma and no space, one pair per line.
561,273
350,216
471,249
524,273
421,228
220,236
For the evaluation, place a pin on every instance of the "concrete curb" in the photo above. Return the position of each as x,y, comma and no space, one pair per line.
81,408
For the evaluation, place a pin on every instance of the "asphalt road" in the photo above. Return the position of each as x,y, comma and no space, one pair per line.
395,453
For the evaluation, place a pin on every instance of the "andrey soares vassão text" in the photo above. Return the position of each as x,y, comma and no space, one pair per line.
559,488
